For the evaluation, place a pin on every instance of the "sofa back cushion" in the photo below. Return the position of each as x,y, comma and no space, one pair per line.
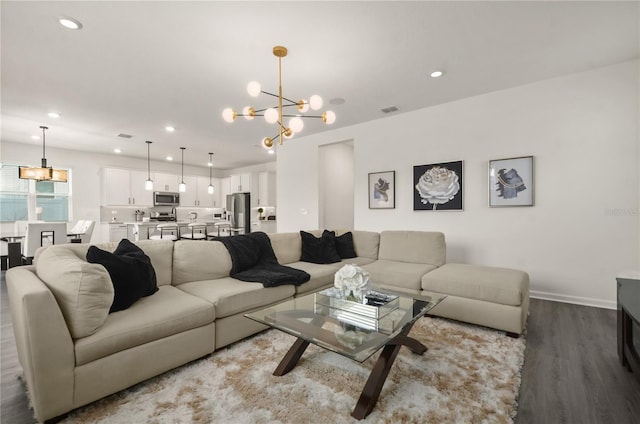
84,291
421,247
196,260
366,243
159,251
287,246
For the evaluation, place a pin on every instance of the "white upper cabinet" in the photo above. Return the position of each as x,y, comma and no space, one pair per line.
225,188
197,193
240,183
165,182
125,187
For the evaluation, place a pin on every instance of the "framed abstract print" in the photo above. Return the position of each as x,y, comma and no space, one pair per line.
511,182
382,190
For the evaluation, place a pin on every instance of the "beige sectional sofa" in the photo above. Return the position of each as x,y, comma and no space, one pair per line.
73,352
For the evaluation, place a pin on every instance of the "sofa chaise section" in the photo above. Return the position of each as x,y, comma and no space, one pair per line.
489,296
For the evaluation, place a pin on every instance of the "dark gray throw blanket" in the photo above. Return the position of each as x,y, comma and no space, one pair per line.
253,260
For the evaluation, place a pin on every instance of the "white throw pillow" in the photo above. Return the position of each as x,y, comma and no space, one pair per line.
83,290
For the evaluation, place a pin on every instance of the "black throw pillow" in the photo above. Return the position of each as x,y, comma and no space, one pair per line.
344,245
130,270
319,250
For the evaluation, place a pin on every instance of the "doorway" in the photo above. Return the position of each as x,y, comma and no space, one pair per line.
335,179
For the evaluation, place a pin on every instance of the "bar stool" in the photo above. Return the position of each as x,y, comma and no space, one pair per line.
224,225
195,231
168,231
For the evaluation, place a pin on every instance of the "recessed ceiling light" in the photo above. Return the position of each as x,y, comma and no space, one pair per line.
116,150
271,152
53,115
70,23
169,128
35,137
436,74
169,158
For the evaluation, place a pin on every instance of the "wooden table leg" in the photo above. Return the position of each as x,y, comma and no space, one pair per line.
380,371
292,357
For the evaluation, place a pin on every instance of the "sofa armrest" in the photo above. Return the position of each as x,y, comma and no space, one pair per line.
44,344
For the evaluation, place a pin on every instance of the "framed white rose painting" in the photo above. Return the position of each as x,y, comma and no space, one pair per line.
382,190
437,187
511,182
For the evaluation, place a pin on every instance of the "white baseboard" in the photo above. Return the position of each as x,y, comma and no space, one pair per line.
586,301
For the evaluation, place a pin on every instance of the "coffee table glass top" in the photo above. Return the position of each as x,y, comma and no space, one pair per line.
352,335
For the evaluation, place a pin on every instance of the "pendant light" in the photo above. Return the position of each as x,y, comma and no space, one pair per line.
182,187
44,173
148,185
211,189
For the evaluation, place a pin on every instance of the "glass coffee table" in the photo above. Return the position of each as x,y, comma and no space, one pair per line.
354,333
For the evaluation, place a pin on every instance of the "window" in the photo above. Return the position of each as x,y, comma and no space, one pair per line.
20,198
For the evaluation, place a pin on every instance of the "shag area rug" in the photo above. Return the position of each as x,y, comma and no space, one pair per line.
469,375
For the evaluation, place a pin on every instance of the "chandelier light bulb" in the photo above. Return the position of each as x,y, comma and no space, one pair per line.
248,113
303,106
315,102
271,115
267,143
229,115
254,88
296,124
328,117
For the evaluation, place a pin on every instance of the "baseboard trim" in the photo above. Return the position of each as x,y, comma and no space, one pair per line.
585,301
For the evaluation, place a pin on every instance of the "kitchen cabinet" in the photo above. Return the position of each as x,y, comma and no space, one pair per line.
166,182
225,189
117,232
266,189
197,193
125,187
240,183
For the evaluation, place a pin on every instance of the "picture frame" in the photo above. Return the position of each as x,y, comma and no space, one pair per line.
438,186
511,182
382,190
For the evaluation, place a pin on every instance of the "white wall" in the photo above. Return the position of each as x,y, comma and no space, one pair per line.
582,130
336,185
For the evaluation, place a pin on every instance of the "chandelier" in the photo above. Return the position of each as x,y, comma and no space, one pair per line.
275,114
43,173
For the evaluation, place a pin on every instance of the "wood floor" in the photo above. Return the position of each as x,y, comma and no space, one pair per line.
571,371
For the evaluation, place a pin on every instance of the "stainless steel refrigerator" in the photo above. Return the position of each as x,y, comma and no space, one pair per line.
239,212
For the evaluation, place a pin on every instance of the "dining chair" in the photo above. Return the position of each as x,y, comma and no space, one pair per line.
81,232
40,234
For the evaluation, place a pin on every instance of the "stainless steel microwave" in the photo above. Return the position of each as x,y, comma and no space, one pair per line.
163,198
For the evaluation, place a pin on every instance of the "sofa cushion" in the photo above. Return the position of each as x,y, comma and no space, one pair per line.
159,251
344,246
399,274
497,285
170,311
286,246
366,244
319,250
421,247
322,275
231,296
197,260
130,270
84,291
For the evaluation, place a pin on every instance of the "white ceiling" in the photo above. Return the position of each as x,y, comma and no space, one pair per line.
136,67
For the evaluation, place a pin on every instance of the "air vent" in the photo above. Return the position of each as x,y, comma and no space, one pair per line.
123,135
389,109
